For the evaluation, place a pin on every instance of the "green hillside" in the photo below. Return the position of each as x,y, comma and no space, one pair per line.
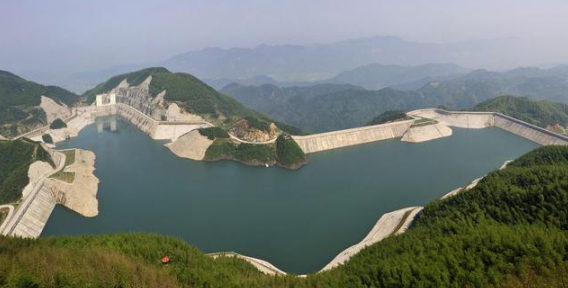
15,159
509,231
540,113
19,103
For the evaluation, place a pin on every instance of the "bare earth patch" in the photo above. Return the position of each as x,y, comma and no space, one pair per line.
191,145
80,195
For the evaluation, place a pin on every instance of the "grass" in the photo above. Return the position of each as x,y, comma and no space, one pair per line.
69,157
424,122
64,176
68,177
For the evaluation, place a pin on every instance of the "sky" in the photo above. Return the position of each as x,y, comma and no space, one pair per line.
72,35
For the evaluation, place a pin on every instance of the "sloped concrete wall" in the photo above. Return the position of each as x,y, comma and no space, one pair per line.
529,131
349,137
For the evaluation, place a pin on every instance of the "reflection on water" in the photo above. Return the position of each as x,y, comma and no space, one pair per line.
106,124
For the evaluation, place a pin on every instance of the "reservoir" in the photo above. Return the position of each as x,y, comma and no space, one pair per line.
297,220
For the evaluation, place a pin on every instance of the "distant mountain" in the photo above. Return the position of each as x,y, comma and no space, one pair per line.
372,76
323,107
259,80
314,109
317,62
20,100
377,76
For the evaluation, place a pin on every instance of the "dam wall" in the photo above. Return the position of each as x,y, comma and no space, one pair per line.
157,130
529,131
349,137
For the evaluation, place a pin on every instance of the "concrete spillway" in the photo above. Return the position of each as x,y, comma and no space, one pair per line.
349,137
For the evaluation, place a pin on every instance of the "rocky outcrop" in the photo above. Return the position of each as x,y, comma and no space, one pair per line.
244,131
139,97
191,145
53,110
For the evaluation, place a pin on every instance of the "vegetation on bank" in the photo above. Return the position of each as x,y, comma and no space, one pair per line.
250,154
213,132
57,124
288,153
47,138
509,231
20,100
285,152
389,116
540,113
15,158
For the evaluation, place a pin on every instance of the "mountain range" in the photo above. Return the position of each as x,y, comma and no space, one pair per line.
327,107
315,62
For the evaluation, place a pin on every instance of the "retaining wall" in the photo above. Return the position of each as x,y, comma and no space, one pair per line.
529,131
349,137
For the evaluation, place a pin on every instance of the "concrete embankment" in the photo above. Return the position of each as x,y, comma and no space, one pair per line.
349,137
477,120
529,131
392,223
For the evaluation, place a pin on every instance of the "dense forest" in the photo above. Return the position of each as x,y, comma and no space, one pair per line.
15,159
509,231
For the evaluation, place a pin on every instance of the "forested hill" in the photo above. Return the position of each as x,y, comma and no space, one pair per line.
20,100
540,113
508,231
190,93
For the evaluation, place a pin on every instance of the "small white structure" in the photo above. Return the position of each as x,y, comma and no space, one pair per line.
110,99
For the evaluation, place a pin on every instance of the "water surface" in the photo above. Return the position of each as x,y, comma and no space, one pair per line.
297,220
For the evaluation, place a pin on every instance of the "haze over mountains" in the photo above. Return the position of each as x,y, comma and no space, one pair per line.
301,63
327,107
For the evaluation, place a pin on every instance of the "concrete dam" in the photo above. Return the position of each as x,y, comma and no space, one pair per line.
469,120
349,137
157,130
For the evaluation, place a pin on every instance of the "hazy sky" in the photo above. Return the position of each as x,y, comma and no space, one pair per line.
84,35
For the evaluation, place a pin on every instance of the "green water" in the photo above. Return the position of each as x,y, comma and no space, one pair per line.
297,220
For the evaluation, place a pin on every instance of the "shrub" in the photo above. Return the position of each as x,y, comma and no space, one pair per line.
57,124
47,138
213,132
